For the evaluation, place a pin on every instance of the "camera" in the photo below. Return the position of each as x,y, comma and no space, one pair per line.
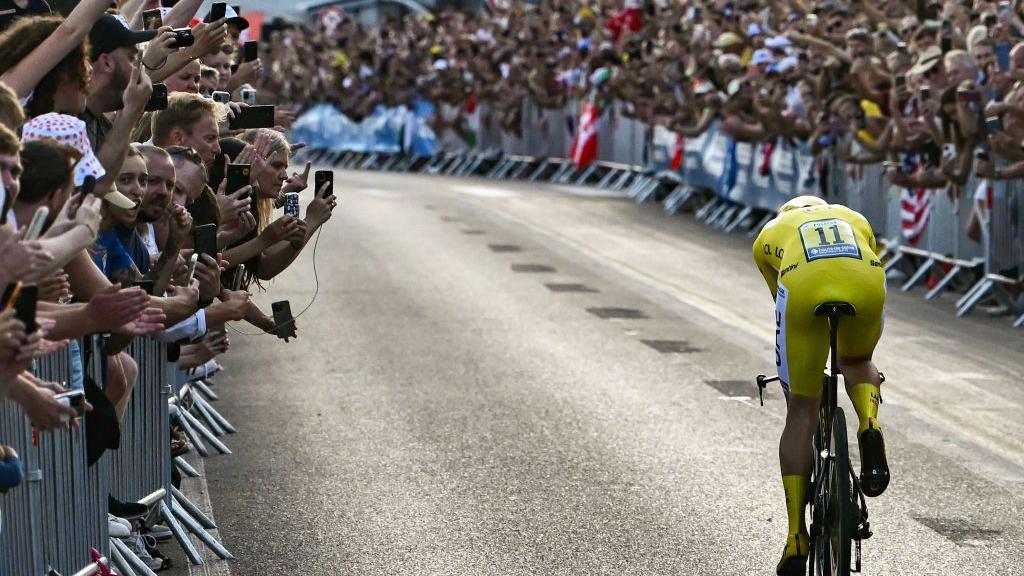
221,97
183,37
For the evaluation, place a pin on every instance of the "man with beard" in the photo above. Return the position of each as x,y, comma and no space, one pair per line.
112,50
161,224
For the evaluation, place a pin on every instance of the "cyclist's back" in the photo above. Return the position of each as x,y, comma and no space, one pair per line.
813,255
810,254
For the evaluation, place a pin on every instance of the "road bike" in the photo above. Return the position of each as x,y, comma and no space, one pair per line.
839,513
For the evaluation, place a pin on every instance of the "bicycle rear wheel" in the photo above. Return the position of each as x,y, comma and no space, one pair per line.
839,512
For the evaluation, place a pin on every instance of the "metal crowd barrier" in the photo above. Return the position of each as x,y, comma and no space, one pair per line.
737,185
58,516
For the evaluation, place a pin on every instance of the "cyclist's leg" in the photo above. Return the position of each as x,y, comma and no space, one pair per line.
857,339
801,350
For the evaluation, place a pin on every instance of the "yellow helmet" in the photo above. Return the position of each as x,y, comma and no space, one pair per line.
801,202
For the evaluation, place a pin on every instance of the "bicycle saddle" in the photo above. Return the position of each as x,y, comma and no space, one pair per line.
835,309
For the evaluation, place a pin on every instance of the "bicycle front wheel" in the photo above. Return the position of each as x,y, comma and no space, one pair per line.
839,513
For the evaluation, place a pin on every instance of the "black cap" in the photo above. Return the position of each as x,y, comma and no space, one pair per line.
111,32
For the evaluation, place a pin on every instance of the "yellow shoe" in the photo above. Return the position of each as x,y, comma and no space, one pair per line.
794,556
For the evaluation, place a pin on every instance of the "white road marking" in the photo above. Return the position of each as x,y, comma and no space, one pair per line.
378,193
484,191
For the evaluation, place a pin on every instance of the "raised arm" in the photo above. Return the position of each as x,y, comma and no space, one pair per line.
25,75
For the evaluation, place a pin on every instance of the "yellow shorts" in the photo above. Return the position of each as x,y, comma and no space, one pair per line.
802,339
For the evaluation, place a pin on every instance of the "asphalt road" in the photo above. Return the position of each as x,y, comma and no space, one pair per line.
458,402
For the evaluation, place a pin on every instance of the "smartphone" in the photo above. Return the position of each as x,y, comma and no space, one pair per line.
250,51
990,20
5,205
221,96
236,283
183,38
35,228
146,285
253,117
192,267
291,204
158,101
25,298
205,237
238,175
321,176
1004,9
152,20
993,124
88,185
284,323
968,96
892,164
946,44
249,96
218,10
73,399
1003,55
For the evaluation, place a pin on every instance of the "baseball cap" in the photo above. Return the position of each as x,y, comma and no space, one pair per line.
70,131
762,56
728,39
111,32
231,16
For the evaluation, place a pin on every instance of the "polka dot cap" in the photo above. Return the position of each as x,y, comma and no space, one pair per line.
70,131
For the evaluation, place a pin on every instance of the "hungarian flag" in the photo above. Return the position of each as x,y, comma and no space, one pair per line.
584,144
678,147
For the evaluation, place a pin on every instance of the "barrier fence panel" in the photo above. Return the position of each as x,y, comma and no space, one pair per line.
59,513
750,181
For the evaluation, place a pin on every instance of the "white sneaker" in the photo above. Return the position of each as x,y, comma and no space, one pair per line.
160,532
137,544
118,527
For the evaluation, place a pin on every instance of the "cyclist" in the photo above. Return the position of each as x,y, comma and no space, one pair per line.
812,253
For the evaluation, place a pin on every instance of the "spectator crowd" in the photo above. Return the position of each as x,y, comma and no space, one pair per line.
933,88
117,146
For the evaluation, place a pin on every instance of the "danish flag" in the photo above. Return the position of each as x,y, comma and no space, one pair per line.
584,144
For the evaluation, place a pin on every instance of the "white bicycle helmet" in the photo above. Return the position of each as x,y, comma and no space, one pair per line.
801,202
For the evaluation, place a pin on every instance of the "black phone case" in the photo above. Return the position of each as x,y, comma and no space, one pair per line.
253,117
217,11
238,175
25,307
321,176
158,101
283,320
206,239
250,51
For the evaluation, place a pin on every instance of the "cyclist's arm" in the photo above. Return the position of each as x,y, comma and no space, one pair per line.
764,264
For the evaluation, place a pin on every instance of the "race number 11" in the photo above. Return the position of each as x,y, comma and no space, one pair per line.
832,238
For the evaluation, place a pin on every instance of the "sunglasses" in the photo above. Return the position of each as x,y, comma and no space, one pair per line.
187,152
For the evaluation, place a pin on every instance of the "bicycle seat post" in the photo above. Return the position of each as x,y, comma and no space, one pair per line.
833,311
